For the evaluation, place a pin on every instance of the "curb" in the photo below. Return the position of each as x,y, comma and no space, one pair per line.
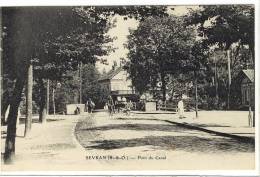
74,139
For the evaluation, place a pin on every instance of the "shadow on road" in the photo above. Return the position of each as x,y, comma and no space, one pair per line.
137,127
187,139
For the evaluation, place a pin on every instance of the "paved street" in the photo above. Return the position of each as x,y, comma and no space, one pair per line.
145,141
136,142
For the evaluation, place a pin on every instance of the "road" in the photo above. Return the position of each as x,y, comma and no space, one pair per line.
137,143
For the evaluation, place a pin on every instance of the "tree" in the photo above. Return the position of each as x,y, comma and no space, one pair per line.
29,88
17,28
217,75
195,65
40,34
157,48
69,91
91,88
56,40
89,46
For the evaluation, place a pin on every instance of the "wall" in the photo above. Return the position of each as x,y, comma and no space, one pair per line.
120,82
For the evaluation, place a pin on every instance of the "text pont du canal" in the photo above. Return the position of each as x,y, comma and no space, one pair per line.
125,157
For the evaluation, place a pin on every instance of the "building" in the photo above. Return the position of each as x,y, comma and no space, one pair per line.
247,85
118,84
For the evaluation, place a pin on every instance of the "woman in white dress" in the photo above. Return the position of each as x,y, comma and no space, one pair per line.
180,109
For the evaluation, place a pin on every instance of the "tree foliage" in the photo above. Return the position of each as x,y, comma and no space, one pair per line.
225,24
158,47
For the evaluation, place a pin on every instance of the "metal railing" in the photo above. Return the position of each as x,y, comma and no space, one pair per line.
123,92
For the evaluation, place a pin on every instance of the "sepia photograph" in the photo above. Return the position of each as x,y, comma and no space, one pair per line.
129,88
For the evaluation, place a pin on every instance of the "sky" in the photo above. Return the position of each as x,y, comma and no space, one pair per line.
121,30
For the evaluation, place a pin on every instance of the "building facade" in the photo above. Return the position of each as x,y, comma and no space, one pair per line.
118,84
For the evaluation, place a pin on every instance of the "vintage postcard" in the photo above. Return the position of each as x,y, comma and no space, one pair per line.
130,89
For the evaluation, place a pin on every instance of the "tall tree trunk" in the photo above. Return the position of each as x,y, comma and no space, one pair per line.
252,49
11,121
229,79
196,93
163,86
29,87
216,81
42,110
53,101
80,83
48,97
4,105
172,92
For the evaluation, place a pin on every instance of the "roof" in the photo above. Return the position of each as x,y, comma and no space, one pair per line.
110,74
250,74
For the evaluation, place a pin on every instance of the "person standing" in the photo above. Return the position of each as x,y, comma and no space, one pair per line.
110,104
91,105
86,106
128,107
181,109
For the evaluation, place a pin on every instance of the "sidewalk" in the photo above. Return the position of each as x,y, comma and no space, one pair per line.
227,122
49,146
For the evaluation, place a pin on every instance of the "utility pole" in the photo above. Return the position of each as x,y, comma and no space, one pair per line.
229,79
29,87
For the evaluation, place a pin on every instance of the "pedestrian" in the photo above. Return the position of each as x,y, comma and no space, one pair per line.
159,104
116,107
128,107
110,104
86,106
181,109
77,111
91,105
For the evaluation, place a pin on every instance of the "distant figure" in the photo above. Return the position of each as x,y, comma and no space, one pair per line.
116,108
142,105
124,100
181,109
86,106
77,111
110,104
91,105
128,107
159,104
